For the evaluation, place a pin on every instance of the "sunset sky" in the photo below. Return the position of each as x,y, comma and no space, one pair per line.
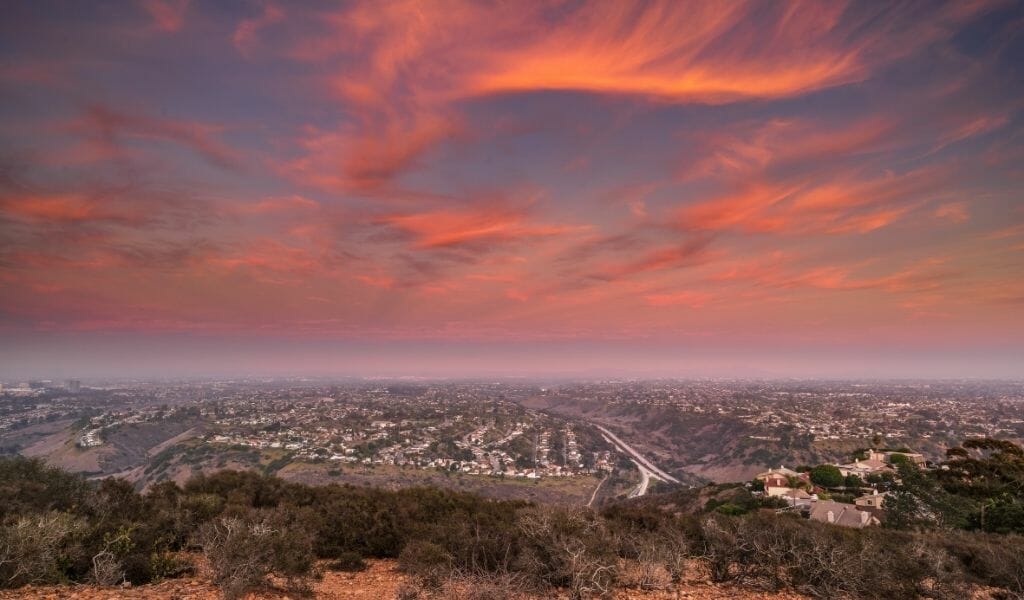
476,188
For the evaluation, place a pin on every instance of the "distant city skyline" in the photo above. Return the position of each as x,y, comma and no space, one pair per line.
659,189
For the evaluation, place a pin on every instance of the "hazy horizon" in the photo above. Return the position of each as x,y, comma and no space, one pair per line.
163,357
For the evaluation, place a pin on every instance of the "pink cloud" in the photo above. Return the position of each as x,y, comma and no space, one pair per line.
457,227
167,15
247,32
952,211
691,299
107,127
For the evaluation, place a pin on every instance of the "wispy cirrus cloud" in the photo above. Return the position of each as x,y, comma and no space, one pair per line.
620,170
472,226
67,208
108,129
404,67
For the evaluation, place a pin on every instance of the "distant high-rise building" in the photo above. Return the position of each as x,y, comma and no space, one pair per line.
73,385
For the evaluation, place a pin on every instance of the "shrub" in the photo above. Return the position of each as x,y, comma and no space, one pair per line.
350,562
828,562
29,486
646,570
569,548
37,549
426,561
243,552
408,591
489,586
994,560
168,565
720,547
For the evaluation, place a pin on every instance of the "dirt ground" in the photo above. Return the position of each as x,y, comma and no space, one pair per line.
379,582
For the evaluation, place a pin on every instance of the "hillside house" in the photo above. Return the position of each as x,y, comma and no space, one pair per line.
885,456
863,468
777,481
841,514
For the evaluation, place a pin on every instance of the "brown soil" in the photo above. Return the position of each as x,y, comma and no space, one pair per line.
379,582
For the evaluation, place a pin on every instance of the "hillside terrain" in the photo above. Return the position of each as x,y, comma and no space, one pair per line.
504,440
949,533
725,432
381,580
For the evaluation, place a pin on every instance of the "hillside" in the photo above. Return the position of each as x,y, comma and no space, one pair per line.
949,533
382,580
699,445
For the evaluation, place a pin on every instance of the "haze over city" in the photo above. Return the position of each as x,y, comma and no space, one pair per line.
822,189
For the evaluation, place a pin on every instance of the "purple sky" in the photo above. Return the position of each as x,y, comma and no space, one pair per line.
460,188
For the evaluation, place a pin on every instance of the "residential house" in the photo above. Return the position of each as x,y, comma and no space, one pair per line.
777,481
863,468
886,456
842,514
872,503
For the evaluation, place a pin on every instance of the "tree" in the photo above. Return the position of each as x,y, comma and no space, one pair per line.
898,459
827,476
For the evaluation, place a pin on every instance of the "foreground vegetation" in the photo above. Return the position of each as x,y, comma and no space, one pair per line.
57,527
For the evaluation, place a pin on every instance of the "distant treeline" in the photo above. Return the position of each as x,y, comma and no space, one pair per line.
57,527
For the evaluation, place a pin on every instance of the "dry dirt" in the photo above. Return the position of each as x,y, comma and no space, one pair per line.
379,582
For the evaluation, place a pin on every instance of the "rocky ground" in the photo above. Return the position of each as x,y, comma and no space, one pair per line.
380,581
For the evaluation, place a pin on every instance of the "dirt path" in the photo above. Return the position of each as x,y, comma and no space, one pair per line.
596,490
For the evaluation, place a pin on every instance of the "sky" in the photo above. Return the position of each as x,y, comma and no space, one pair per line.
510,188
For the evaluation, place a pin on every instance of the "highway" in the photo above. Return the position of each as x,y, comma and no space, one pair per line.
645,482
647,470
636,456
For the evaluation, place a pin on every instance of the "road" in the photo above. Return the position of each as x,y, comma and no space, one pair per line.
596,490
647,470
637,457
645,473
645,482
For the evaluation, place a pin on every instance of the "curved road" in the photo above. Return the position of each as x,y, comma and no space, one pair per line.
647,469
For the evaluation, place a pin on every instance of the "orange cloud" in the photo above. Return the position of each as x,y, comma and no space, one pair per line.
925,276
749,150
842,205
70,208
376,280
673,50
686,254
269,256
406,65
445,228
663,52
365,160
